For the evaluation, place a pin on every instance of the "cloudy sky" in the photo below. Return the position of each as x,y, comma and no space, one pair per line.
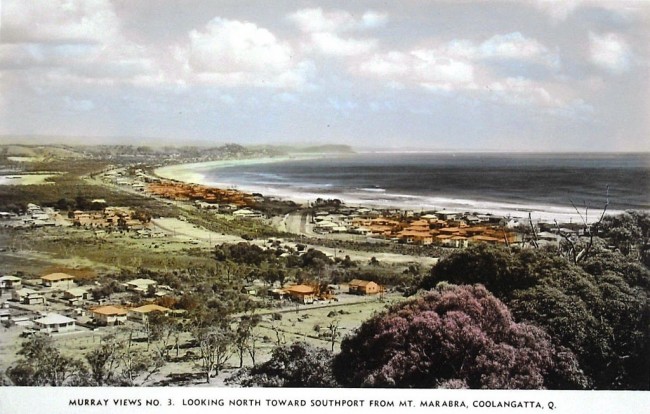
541,75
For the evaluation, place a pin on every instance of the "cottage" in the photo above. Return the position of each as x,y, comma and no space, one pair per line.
363,287
58,281
54,322
10,282
301,293
141,285
76,295
109,315
28,297
141,314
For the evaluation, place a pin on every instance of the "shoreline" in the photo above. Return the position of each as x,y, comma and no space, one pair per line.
192,174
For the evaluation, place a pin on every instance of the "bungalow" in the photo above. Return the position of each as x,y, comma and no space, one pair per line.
363,287
141,314
58,281
10,282
458,241
28,297
416,237
447,215
75,295
54,322
141,285
109,315
301,293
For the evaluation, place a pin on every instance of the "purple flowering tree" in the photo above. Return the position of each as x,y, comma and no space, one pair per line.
454,337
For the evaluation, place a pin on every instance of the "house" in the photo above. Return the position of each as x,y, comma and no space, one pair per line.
28,297
416,237
58,281
10,282
301,293
363,287
142,313
53,322
109,315
75,295
141,285
5,315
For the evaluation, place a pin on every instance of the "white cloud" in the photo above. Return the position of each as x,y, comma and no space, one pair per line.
425,67
559,9
71,41
610,52
64,21
331,44
387,65
325,30
234,53
315,20
516,46
433,69
520,91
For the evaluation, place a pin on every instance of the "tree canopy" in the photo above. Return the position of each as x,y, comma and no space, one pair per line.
454,336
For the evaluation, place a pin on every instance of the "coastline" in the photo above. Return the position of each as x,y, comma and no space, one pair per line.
192,174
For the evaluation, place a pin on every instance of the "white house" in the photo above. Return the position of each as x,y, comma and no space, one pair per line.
53,322
58,281
28,296
109,315
75,295
10,282
141,314
141,285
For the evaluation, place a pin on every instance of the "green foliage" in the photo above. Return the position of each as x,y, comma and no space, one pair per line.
296,365
454,335
42,364
598,310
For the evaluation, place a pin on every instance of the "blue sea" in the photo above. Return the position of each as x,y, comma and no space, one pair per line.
468,181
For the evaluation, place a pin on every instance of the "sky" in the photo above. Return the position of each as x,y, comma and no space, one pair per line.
538,75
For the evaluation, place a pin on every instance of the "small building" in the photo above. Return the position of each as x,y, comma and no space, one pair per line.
76,295
142,313
58,281
28,297
109,315
301,293
141,285
363,287
54,322
10,282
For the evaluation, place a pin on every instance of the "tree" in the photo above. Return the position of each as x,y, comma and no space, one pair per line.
119,361
296,365
214,347
103,361
214,336
43,364
459,335
599,309
245,337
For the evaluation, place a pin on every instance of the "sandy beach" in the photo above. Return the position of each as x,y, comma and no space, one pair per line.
194,173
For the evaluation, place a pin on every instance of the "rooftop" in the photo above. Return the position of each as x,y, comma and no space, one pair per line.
53,277
109,310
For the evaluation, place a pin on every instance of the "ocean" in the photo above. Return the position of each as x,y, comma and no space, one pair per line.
481,182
